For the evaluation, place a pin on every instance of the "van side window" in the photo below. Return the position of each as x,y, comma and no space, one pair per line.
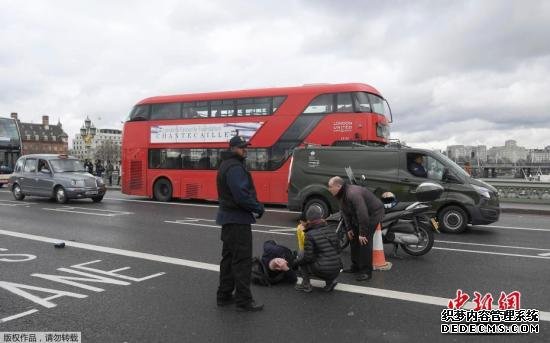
435,168
416,164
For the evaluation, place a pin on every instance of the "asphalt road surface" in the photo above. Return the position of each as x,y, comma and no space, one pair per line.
135,270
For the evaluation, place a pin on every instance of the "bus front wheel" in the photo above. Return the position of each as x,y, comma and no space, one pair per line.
162,190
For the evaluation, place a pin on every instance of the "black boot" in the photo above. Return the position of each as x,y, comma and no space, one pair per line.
250,307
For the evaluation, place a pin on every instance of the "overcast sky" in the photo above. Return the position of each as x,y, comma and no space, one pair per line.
454,72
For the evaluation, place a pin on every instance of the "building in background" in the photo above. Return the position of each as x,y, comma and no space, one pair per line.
42,138
539,155
466,153
509,153
91,143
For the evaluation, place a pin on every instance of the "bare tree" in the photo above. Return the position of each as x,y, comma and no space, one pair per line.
108,151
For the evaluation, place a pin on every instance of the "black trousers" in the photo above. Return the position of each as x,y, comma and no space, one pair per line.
309,270
361,255
236,264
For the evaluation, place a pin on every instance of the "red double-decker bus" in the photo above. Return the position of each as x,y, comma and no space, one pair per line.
171,144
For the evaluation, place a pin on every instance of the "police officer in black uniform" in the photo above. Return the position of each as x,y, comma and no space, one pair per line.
238,209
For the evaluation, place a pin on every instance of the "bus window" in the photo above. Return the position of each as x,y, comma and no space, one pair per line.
254,106
344,103
321,104
222,108
377,104
256,159
140,112
362,103
201,109
277,102
165,111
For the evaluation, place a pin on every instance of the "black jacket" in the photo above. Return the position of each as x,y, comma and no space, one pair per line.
273,250
361,209
236,192
321,249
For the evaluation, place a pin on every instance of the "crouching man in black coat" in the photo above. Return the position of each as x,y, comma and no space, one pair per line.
321,257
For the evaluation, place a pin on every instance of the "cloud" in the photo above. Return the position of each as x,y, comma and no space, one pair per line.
478,68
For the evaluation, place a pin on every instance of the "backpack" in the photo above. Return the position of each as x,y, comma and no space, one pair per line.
259,274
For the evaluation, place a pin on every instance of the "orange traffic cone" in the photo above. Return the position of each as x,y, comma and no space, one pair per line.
378,258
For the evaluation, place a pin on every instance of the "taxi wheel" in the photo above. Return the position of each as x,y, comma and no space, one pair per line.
97,199
61,195
17,193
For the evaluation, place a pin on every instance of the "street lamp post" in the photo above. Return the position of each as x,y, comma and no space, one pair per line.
87,132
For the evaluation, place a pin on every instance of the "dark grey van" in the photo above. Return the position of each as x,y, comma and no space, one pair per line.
465,199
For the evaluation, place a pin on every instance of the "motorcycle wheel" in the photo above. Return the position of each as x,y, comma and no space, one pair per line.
343,239
426,241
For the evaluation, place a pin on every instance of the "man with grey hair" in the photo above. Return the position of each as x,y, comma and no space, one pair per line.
362,212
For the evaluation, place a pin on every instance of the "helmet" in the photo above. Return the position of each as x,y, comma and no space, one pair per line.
389,200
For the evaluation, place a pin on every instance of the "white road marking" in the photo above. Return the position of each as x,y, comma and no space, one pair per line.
511,228
13,203
283,230
492,245
545,254
19,315
186,204
190,220
277,232
492,253
277,227
186,222
378,292
90,211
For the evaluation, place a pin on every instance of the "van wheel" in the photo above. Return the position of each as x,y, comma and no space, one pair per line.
453,219
319,203
162,190
17,192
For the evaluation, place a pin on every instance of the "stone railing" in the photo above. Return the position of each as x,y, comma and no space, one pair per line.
524,191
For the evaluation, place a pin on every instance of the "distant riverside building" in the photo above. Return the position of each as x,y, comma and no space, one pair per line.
509,153
42,138
539,155
468,153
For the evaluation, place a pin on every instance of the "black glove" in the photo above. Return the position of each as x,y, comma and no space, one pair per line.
261,211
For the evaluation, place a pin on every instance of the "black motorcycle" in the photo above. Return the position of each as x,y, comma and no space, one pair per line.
406,224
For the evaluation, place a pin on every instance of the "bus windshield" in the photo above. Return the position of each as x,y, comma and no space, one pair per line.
8,131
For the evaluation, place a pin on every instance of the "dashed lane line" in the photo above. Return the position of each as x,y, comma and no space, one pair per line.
193,222
377,292
497,227
87,210
185,204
